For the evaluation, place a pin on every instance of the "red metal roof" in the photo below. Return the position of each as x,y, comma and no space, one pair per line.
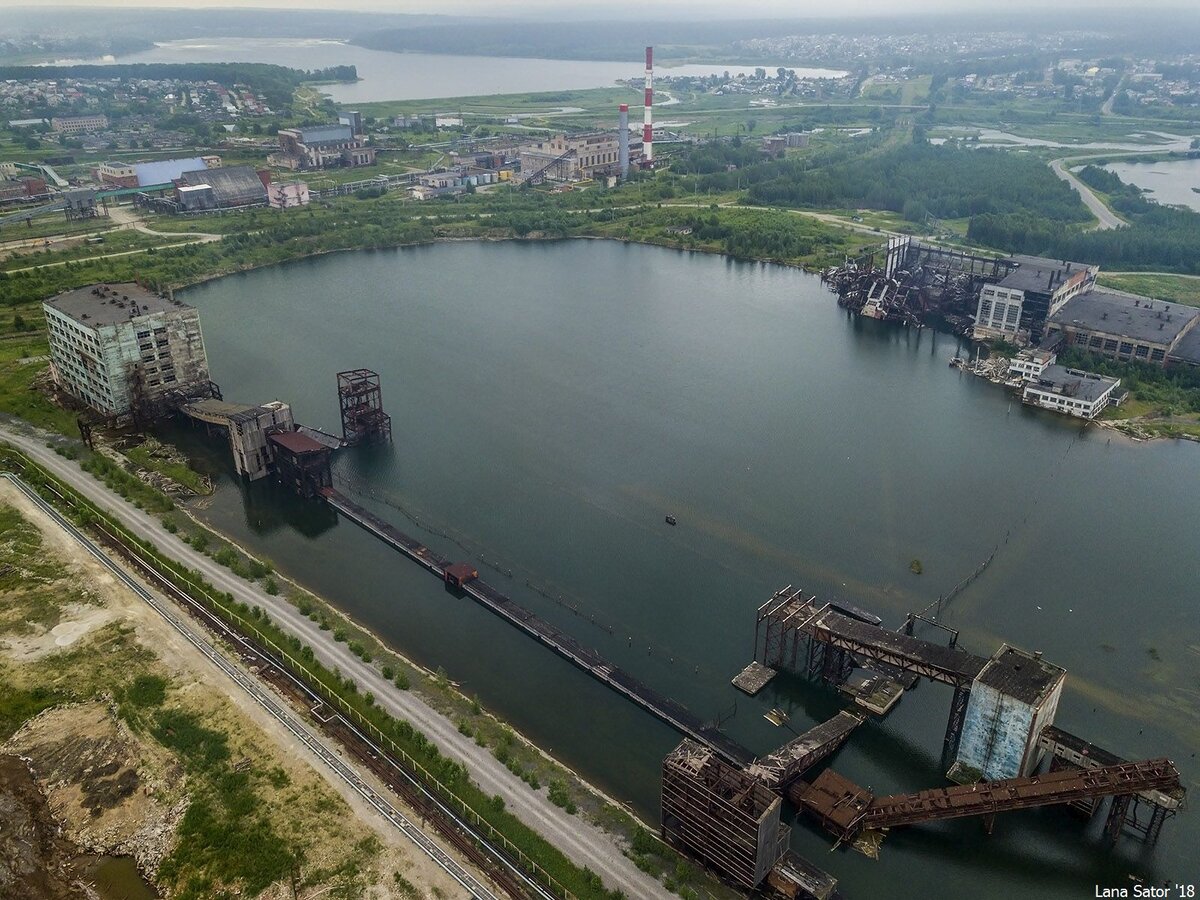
296,442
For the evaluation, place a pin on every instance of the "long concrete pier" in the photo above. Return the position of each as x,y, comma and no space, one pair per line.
664,708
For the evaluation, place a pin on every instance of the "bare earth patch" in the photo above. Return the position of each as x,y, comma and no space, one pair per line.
117,790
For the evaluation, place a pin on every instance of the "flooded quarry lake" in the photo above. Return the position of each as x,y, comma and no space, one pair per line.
553,402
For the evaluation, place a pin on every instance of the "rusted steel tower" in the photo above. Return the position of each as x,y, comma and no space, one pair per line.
361,400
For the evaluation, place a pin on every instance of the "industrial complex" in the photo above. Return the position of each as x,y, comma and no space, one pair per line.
721,804
126,351
130,356
1036,306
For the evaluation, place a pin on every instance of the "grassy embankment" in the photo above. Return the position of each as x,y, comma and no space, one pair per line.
114,241
246,826
442,775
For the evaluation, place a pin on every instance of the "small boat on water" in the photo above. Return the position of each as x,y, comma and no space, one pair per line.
957,362
671,520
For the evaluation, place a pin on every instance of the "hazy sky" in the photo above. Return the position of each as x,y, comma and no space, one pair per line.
561,11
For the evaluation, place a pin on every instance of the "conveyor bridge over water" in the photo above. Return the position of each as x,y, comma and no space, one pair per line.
824,640
664,708
789,618
777,769
845,809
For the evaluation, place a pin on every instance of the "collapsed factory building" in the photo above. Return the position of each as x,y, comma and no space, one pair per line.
985,297
130,357
124,349
1002,748
1020,300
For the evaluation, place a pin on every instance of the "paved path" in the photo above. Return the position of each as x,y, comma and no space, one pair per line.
63,262
585,844
1106,217
128,216
319,749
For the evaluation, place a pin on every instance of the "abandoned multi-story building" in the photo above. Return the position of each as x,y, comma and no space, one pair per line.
572,157
121,348
323,147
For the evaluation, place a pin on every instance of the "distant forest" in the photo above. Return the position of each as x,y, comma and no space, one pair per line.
915,179
1011,201
921,179
1158,237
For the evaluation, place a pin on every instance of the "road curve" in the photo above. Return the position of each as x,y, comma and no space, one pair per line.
1106,217
583,843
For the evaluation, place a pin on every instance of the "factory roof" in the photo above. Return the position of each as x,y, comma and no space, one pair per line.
1037,354
232,185
1035,274
1020,674
165,170
1188,348
110,304
326,133
1127,315
1074,383
296,442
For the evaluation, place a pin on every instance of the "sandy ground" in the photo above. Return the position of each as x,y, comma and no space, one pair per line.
248,724
110,789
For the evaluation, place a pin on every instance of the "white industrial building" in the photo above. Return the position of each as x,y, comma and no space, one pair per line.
121,346
998,314
1030,363
287,194
1015,308
1070,391
565,157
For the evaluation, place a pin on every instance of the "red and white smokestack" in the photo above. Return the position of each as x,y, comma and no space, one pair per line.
648,121
623,140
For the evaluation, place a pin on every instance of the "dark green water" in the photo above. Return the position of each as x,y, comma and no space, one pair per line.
115,878
552,402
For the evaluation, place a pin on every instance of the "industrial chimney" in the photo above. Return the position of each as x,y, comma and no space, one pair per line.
648,121
623,140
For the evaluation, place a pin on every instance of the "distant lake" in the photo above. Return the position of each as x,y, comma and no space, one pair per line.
1167,182
990,137
416,76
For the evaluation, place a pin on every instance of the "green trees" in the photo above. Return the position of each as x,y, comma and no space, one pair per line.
1159,237
949,182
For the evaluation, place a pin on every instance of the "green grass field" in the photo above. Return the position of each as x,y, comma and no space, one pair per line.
1176,288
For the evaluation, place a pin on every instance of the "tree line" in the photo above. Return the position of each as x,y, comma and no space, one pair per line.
920,178
1158,237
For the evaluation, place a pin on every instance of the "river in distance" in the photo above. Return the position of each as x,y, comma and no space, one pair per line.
553,402
415,76
1173,182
